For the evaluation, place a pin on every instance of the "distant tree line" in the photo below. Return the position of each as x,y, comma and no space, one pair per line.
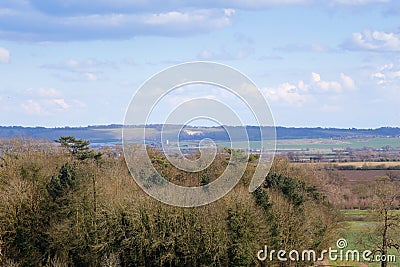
109,133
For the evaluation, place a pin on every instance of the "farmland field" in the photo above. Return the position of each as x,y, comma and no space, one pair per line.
356,177
357,227
339,144
323,144
360,164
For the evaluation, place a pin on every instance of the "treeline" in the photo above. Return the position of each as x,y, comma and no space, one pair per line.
71,206
365,167
112,133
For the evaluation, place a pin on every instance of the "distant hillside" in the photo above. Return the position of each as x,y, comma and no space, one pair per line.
113,133
95,134
336,133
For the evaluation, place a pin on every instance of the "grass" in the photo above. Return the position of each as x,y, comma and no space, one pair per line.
357,226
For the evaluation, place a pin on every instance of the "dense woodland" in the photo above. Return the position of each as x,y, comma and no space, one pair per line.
68,205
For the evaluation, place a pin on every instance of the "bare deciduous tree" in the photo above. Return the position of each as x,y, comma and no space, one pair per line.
386,204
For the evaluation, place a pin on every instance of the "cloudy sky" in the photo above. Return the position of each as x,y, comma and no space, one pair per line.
333,63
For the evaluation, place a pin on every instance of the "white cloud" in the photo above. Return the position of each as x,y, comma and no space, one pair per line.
300,93
51,92
4,55
187,18
229,12
32,107
347,81
73,64
378,75
286,92
42,25
124,6
60,20
387,75
61,103
91,77
44,101
377,41
75,7
315,77
327,86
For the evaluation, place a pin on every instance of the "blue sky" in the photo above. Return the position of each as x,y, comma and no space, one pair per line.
333,63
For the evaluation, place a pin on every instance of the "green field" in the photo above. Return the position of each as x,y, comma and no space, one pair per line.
322,144
357,227
339,144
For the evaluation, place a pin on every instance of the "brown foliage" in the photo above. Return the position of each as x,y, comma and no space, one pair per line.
106,218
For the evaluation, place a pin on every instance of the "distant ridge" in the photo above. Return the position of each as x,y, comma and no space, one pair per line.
112,133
